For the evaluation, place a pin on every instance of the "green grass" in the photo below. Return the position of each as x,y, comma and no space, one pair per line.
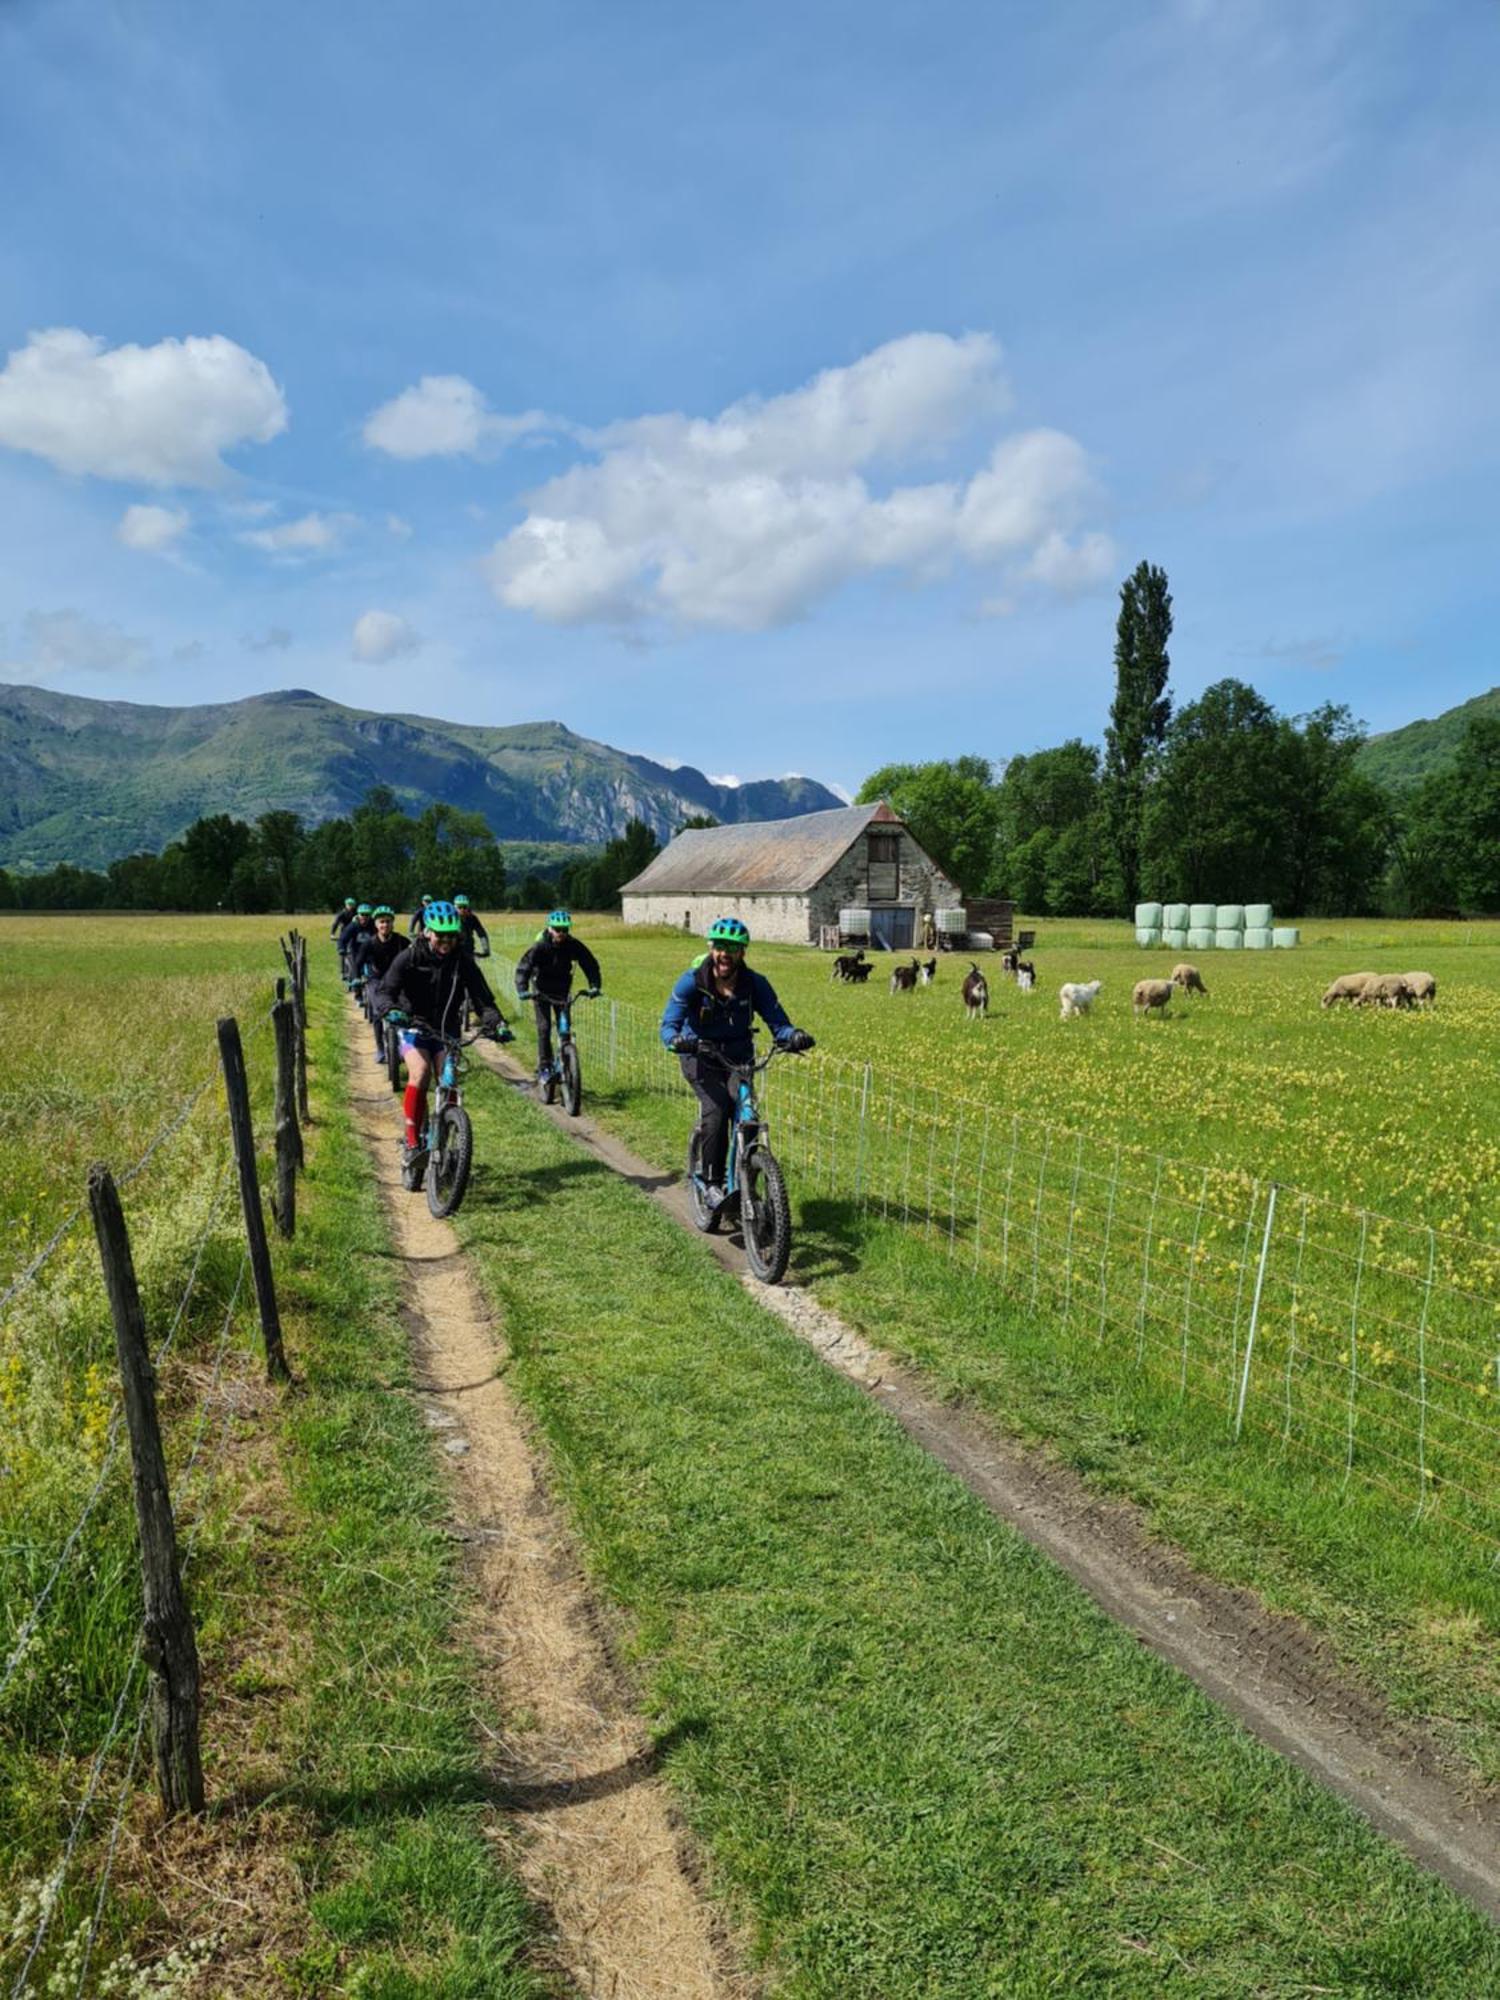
921,1762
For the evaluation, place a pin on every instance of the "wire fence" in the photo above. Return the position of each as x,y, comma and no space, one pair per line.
1368,1345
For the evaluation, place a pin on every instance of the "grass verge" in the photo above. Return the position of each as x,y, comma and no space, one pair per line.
920,1760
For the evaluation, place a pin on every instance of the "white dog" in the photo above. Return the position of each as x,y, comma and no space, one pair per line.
1077,1000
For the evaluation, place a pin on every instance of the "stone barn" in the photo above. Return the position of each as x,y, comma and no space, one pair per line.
787,878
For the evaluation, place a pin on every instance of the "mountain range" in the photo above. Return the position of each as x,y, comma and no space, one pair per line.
1403,757
87,781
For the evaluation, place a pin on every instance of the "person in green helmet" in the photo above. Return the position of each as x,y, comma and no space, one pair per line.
342,917
476,939
545,978
377,955
355,938
714,1004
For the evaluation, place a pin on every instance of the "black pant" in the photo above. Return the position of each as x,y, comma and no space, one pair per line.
545,1009
716,1092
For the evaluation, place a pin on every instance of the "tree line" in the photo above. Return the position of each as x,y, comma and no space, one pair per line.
1220,800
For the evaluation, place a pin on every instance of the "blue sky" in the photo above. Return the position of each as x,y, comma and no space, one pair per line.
769,389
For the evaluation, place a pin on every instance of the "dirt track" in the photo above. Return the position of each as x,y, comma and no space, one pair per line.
573,1774
1270,1672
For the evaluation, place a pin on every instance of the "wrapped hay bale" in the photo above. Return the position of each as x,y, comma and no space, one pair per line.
1175,917
1202,917
1148,934
1175,938
1148,916
1231,917
1284,939
1258,938
1258,917
1229,940
1199,938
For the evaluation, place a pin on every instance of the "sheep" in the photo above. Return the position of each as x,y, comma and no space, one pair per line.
843,968
904,978
1388,990
928,971
1422,987
1077,1000
976,993
1189,978
1153,994
1348,986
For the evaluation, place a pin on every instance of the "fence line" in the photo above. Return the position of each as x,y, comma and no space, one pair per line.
1374,1341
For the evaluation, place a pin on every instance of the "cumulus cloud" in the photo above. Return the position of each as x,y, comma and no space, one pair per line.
275,640
56,642
382,635
747,519
445,416
153,530
162,415
312,535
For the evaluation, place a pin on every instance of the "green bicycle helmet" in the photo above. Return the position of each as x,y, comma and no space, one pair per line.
460,902
364,910
729,930
382,910
348,902
559,920
443,919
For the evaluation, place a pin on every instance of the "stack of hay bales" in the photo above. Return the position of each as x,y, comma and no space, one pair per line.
1285,940
1148,923
1174,925
1258,922
1201,926
1229,927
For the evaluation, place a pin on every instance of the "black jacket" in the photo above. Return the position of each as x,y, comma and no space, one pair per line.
547,966
352,942
431,988
341,917
376,955
473,928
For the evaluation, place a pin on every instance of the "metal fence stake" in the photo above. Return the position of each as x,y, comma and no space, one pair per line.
1260,1279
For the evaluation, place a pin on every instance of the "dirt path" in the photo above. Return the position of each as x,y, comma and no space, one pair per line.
598,1847
1269,1671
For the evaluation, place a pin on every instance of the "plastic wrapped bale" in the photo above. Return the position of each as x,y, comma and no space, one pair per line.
981,941
1258,917
1258,939
1283,939
1231,917
1175,917
1229,940
1199,939
1176,939
1147,917
1148,934
1202,917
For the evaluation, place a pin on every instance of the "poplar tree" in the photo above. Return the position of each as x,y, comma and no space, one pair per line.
1138,715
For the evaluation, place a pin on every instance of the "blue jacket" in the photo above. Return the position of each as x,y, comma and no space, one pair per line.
696,1009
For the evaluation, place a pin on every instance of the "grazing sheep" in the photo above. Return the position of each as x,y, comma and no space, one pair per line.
928,971
1077,1000
1388,990
1348,986
1422,987
976,993
1189,978
904,978
1153,995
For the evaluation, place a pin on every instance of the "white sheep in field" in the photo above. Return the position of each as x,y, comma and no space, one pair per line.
1152,996
1189,978
1348,986
1389,989
1421,986
1077,999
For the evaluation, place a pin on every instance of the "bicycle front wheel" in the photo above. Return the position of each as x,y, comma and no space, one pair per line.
765,1217
572,1079
449,1161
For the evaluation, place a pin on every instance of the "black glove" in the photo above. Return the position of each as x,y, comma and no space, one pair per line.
591,992
523,993
490,1020
683,1045
798,1042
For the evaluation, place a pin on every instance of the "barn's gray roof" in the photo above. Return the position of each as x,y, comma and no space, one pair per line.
764,857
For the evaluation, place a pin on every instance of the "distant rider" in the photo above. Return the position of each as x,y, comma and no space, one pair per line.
423,989
545,977
341,918
419,917
475,933
354,938
713,1005
376,957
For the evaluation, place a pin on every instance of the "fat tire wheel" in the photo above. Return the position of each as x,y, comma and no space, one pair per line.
765,1218
393,1056
449,1161
705,1218
572,1080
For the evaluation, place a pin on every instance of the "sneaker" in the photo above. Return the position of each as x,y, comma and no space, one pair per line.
714,1195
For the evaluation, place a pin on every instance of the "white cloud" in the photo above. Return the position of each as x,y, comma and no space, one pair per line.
445,416
725,778
162,415
56,642
153,530
312,535
394,525
382,635
275,640
747,519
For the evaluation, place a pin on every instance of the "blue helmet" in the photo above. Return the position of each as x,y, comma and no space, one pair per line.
444,920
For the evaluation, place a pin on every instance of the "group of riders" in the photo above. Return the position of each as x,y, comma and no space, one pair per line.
424,983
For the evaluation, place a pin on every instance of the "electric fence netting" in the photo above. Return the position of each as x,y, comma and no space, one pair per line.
1364,1347
75,1691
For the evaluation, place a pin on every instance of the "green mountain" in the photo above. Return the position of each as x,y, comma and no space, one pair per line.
87,781
1404,757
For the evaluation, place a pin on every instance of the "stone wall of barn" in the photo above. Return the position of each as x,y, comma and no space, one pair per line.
773,919
923,886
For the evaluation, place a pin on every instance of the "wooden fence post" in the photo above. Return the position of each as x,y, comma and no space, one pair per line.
288,1140
299,1004
170,1648
237,1092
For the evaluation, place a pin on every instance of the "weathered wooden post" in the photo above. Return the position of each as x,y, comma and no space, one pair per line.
299,1002
288,1139
170,1647
237,1092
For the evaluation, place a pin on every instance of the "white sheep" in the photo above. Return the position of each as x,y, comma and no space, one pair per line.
1348,986
1152,996
1421,986
1189,978
1077,1000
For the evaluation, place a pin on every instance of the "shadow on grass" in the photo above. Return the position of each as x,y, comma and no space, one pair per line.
827,1239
